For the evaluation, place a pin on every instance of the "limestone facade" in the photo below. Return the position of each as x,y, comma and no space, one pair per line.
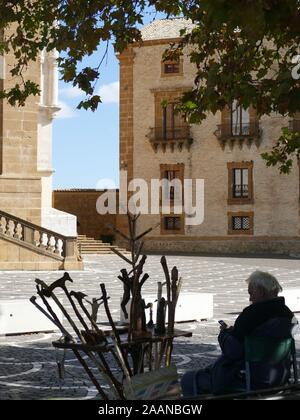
270,210
26,172
82,203
14,257
20,183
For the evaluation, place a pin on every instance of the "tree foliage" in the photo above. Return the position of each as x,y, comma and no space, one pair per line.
246,50
76,29
242,49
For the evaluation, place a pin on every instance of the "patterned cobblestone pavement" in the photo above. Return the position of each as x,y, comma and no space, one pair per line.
28,362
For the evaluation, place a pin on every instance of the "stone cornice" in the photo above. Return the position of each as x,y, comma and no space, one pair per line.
46,172
50,110
152,42
161,88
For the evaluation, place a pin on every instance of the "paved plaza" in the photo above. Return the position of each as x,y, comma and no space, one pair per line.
28,363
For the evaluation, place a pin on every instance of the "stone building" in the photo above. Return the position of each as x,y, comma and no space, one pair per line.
33,235
83,204
248,207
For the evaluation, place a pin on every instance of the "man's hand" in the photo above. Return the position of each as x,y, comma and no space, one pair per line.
223,325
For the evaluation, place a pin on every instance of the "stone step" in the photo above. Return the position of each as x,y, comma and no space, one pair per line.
93,244
95,249
90,241
84,245
87,239
87,245
109,251
103,249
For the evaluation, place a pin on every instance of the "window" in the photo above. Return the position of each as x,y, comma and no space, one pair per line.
171,122
240,223
171,68
172,220
173,173
170,129
240,120
170,175
238,126
172,223
240,182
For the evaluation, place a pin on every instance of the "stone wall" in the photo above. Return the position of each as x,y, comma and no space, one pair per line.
23,256
20,183
259,245
26,161
275,205
59,221
82,204
15,257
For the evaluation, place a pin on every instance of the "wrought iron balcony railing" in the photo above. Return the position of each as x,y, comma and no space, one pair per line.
241,191
176,136
163,134
232,131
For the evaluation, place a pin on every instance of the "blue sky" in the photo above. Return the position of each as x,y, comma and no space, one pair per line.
86,143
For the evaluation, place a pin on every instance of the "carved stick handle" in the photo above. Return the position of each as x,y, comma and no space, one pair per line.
116,334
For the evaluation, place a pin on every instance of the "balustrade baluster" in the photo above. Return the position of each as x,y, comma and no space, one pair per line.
3,224
11,228
44,240
19,232
51,244
59,247
37,238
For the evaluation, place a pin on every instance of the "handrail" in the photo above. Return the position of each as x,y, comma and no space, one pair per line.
240,189
225,131
165,134
45,240
33,226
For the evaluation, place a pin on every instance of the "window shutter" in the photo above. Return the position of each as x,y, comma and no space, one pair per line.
226,115
253,115
226,120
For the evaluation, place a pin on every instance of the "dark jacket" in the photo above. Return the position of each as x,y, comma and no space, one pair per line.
257,314
269,319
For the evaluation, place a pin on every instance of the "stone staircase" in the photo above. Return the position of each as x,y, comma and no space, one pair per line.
27,246
87,245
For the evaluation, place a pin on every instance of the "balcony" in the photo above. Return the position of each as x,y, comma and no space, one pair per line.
177,137
294,125
240,191
238,133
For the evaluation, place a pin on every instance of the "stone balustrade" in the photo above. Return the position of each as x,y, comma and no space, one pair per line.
35,236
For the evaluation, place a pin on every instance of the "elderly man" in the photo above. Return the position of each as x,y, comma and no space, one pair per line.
266,316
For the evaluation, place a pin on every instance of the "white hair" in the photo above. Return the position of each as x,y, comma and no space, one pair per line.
261,279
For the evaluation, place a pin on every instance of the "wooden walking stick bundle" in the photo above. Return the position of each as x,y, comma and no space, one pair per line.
91,342
114,357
